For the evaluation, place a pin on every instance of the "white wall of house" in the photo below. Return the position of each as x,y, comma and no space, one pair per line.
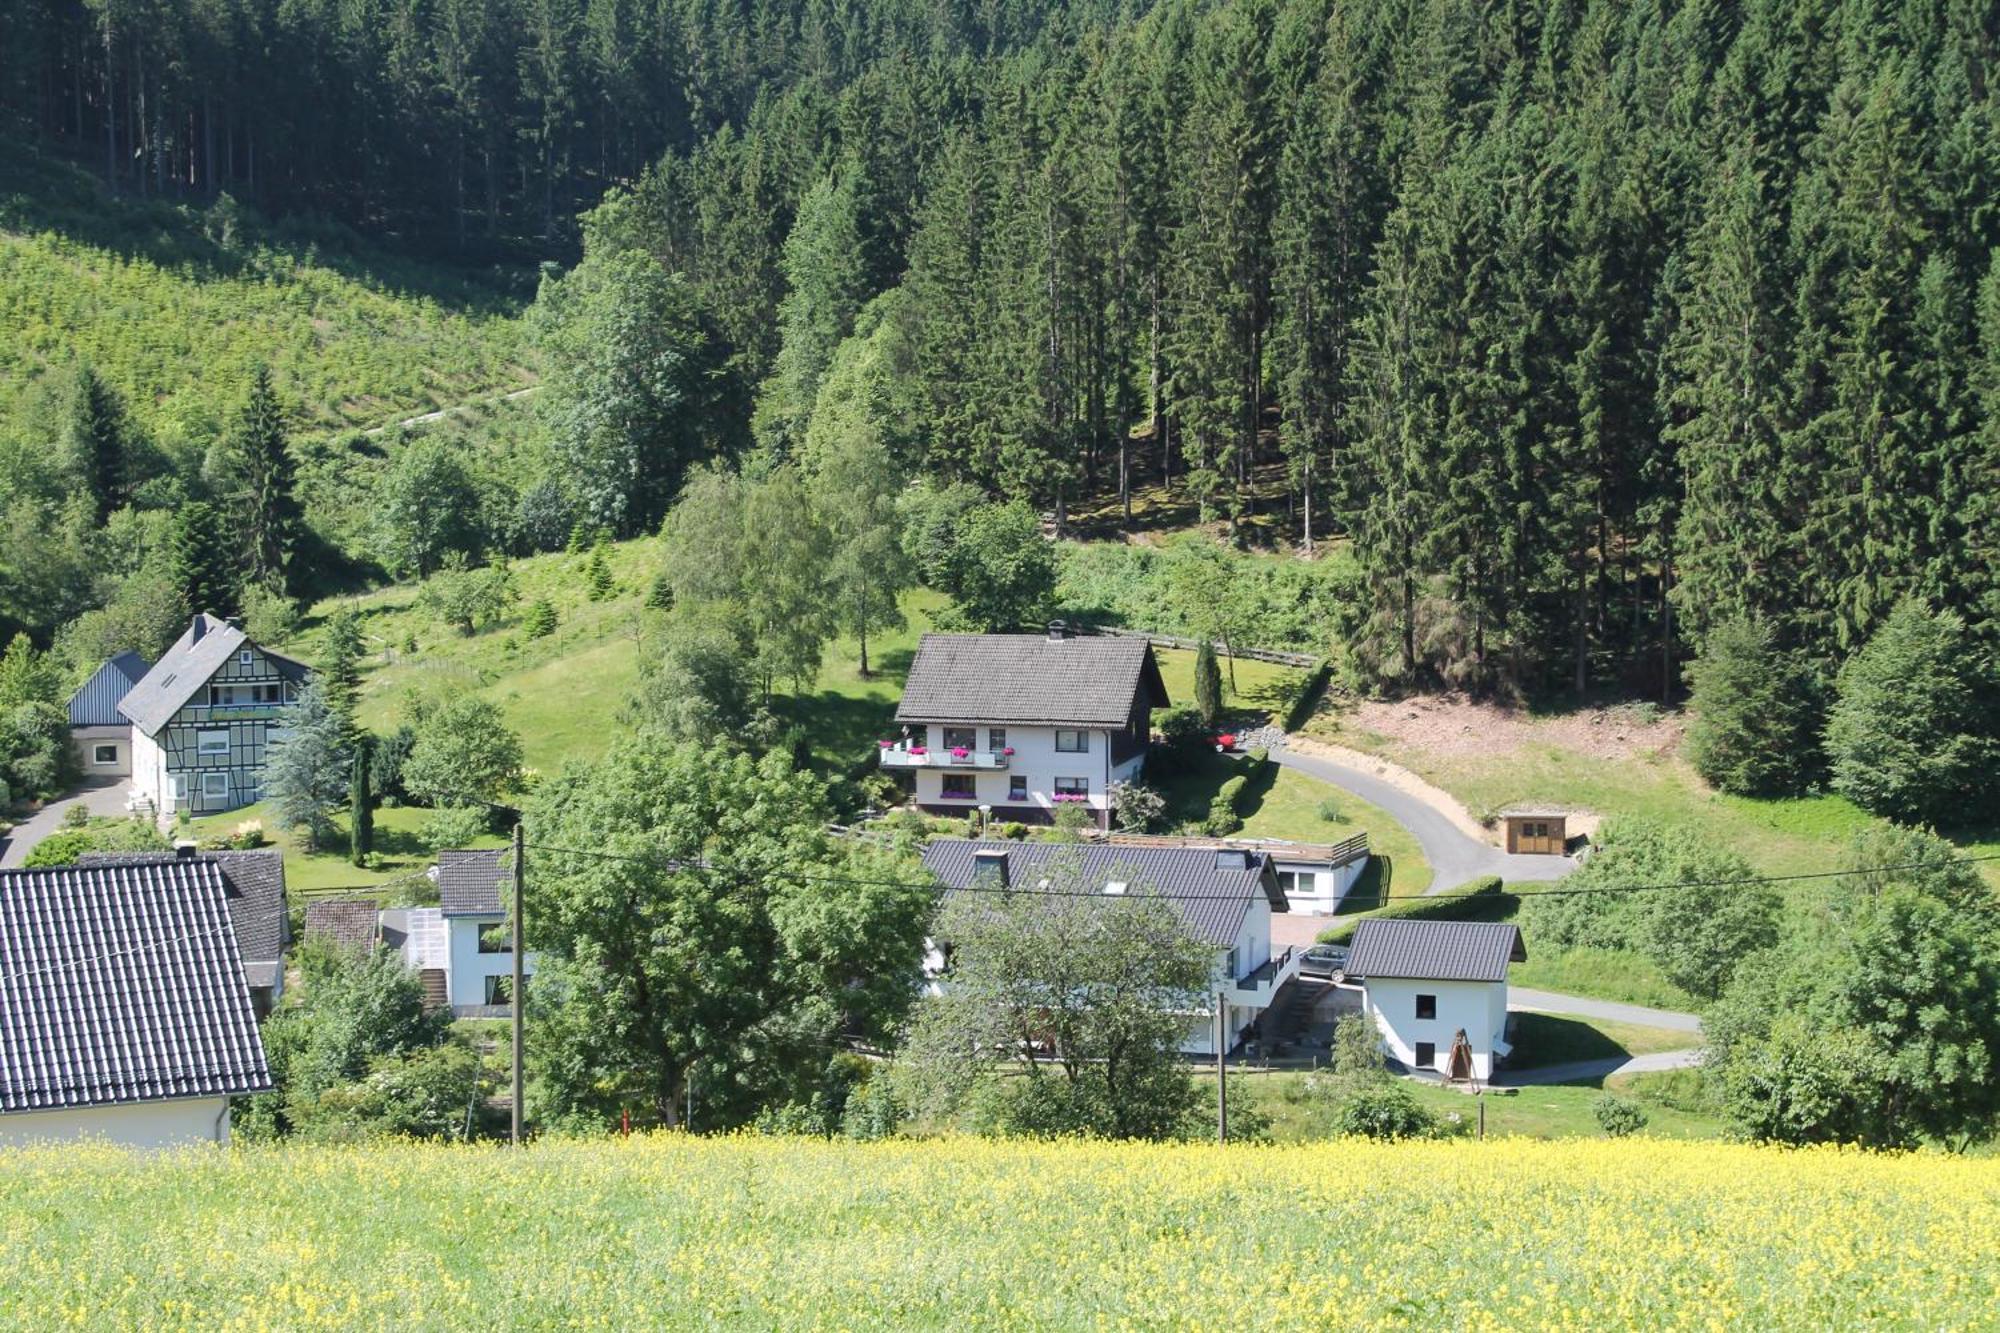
103,752
1480,1007
467,969
1315,887
1035,760
162,1124
150,783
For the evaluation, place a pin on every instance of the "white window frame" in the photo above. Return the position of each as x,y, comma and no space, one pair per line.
97,754
208,793
1082,745
202,746
246,658
1077,787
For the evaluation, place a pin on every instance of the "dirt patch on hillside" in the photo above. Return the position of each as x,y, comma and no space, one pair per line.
1451,724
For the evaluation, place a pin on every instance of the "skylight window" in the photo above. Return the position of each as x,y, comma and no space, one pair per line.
1116,887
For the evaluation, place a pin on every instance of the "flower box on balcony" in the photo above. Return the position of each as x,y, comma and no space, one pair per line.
1007,749
959,752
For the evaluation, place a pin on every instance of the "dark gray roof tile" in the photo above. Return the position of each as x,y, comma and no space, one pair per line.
1434,950
1212,897
1029,680
469,881
122,983
197,655
255,883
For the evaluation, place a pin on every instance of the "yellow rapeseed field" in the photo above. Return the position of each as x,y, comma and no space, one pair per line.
667,1231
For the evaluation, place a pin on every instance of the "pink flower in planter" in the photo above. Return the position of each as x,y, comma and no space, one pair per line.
887,745
1006,749
918,749
958,752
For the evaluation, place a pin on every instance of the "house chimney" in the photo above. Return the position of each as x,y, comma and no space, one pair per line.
185,849
1058,631
990,862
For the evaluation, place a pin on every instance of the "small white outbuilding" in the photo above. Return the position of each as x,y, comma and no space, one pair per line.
1437,991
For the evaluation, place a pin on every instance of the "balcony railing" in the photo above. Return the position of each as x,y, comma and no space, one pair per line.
1271,971
902,756
249,712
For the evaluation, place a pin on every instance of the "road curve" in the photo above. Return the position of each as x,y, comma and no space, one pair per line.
1455,858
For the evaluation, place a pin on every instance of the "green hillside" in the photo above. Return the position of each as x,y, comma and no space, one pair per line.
172,304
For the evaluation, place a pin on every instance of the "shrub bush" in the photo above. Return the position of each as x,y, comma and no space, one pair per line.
1183,741
1756,709
1618,1117
1385,1110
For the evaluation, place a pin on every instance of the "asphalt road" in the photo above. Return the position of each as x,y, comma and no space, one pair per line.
1455,858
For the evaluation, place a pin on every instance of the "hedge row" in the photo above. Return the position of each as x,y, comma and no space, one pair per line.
1225,814
1483,899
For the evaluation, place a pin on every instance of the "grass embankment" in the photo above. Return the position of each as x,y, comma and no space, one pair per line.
173,304
666,1231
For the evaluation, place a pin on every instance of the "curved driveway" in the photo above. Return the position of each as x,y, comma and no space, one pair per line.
1455,858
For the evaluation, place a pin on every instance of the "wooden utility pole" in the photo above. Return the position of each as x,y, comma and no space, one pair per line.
519,992
1221,1075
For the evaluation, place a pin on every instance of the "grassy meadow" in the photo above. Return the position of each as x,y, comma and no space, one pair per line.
670,1231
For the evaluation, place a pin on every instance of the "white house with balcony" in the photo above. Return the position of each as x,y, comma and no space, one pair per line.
1437,992
202,718
462,949
1225,895
1022,724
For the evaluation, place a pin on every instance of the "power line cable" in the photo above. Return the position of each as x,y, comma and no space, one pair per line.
675,864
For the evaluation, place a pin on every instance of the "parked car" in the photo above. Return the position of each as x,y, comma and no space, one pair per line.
1323,960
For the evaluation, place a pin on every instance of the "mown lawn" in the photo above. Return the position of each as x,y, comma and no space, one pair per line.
1544,1040
667,1231
1604,974
399,852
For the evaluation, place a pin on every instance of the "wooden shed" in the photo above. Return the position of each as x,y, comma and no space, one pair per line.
1536,829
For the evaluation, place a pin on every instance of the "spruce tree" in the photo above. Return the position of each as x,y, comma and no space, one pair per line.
340,667
271,516
202,560
94,431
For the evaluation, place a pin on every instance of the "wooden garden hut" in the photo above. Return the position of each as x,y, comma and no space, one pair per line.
1536,829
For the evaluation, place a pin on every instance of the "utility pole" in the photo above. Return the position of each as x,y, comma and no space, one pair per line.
519,992
1221,1075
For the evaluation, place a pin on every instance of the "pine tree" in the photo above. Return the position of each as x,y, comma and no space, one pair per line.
540,620
271,516
361,810
1207,683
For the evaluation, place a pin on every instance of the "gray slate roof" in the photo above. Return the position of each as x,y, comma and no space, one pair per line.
469,881
95,703
350,923
122,984
1434,950
1030,680
1212,899
197,655
254,882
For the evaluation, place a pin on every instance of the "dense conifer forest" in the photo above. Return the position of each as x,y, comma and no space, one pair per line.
1588,327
